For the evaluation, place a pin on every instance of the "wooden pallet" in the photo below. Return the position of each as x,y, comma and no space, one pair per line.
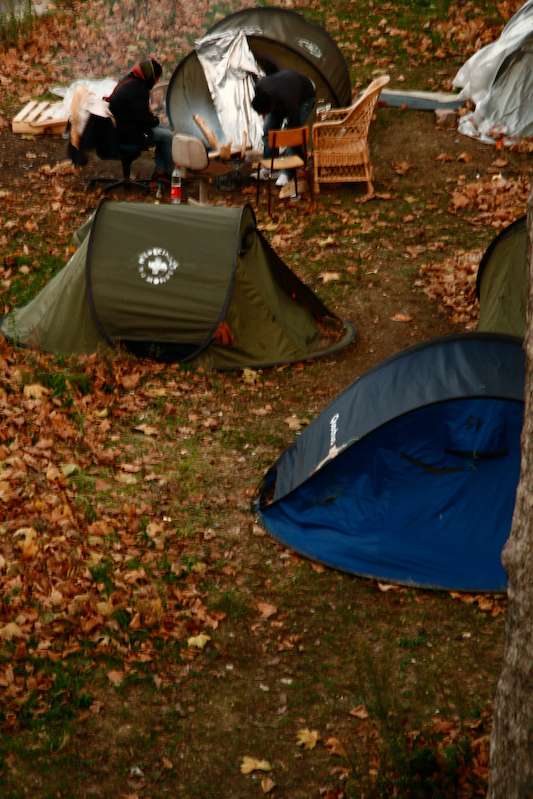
37,118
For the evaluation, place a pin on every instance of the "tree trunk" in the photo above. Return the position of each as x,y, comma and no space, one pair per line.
511,743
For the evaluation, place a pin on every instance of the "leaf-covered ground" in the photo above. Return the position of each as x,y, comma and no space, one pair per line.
153,640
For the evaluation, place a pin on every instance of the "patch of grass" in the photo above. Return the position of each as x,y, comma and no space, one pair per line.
233,604
16,21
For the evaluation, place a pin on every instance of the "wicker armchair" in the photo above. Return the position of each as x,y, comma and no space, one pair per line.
340,141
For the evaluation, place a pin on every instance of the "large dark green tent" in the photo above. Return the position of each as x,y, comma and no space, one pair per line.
501,284
278,38
160,280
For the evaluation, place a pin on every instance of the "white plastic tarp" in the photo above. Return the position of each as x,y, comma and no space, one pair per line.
499,80
99,88
231,72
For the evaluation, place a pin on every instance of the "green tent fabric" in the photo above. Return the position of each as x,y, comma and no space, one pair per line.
160,279
501,284
278,38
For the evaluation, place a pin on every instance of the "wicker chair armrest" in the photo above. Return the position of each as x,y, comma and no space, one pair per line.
332,115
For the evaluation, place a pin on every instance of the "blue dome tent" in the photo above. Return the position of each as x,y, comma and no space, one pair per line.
410,474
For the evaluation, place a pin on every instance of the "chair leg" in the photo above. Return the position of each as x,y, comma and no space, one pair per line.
202,192
310,185
257,197
269,194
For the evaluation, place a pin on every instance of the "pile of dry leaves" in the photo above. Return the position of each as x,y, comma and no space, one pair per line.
76,575
496,202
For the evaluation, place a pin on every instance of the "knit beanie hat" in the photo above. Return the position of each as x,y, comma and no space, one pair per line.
150,71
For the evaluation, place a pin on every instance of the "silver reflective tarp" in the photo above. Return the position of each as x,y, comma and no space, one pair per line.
231,72
499,80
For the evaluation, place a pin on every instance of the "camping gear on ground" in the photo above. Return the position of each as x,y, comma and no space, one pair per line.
502,282
341,153
161,279
409,475
499,80
278,39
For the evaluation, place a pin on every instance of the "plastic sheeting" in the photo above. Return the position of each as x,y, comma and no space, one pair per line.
231,72
100,88
499,80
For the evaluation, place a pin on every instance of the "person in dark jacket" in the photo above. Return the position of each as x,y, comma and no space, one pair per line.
284,96
136,125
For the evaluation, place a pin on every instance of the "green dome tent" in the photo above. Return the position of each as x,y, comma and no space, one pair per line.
501,284
173,283
279,39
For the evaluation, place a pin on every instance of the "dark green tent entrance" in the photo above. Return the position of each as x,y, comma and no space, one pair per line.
161,279
501,285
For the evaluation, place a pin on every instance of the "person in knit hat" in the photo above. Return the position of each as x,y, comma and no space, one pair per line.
136,125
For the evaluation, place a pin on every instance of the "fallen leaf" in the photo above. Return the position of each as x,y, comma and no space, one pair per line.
326,277
198,641
29,545
335,747
444,157
249,376
294,423
267,783
127,479
148,429
115,677
10,631
459,200
327,242
464,157
359,712
35,391
401,317
400,168
250,764
167,763
153,529
262,411
68,468
307,738
266,610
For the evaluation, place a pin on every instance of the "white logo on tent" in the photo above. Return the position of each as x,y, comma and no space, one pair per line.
156,266
311,47
333,428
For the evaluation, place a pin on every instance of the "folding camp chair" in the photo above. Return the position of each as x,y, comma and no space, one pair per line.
292,137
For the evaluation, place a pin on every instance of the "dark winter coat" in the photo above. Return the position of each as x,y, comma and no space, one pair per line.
129,105
288,89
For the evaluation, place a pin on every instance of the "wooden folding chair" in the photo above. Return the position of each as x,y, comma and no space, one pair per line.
291,137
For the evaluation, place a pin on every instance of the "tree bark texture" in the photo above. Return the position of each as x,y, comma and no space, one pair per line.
511,743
